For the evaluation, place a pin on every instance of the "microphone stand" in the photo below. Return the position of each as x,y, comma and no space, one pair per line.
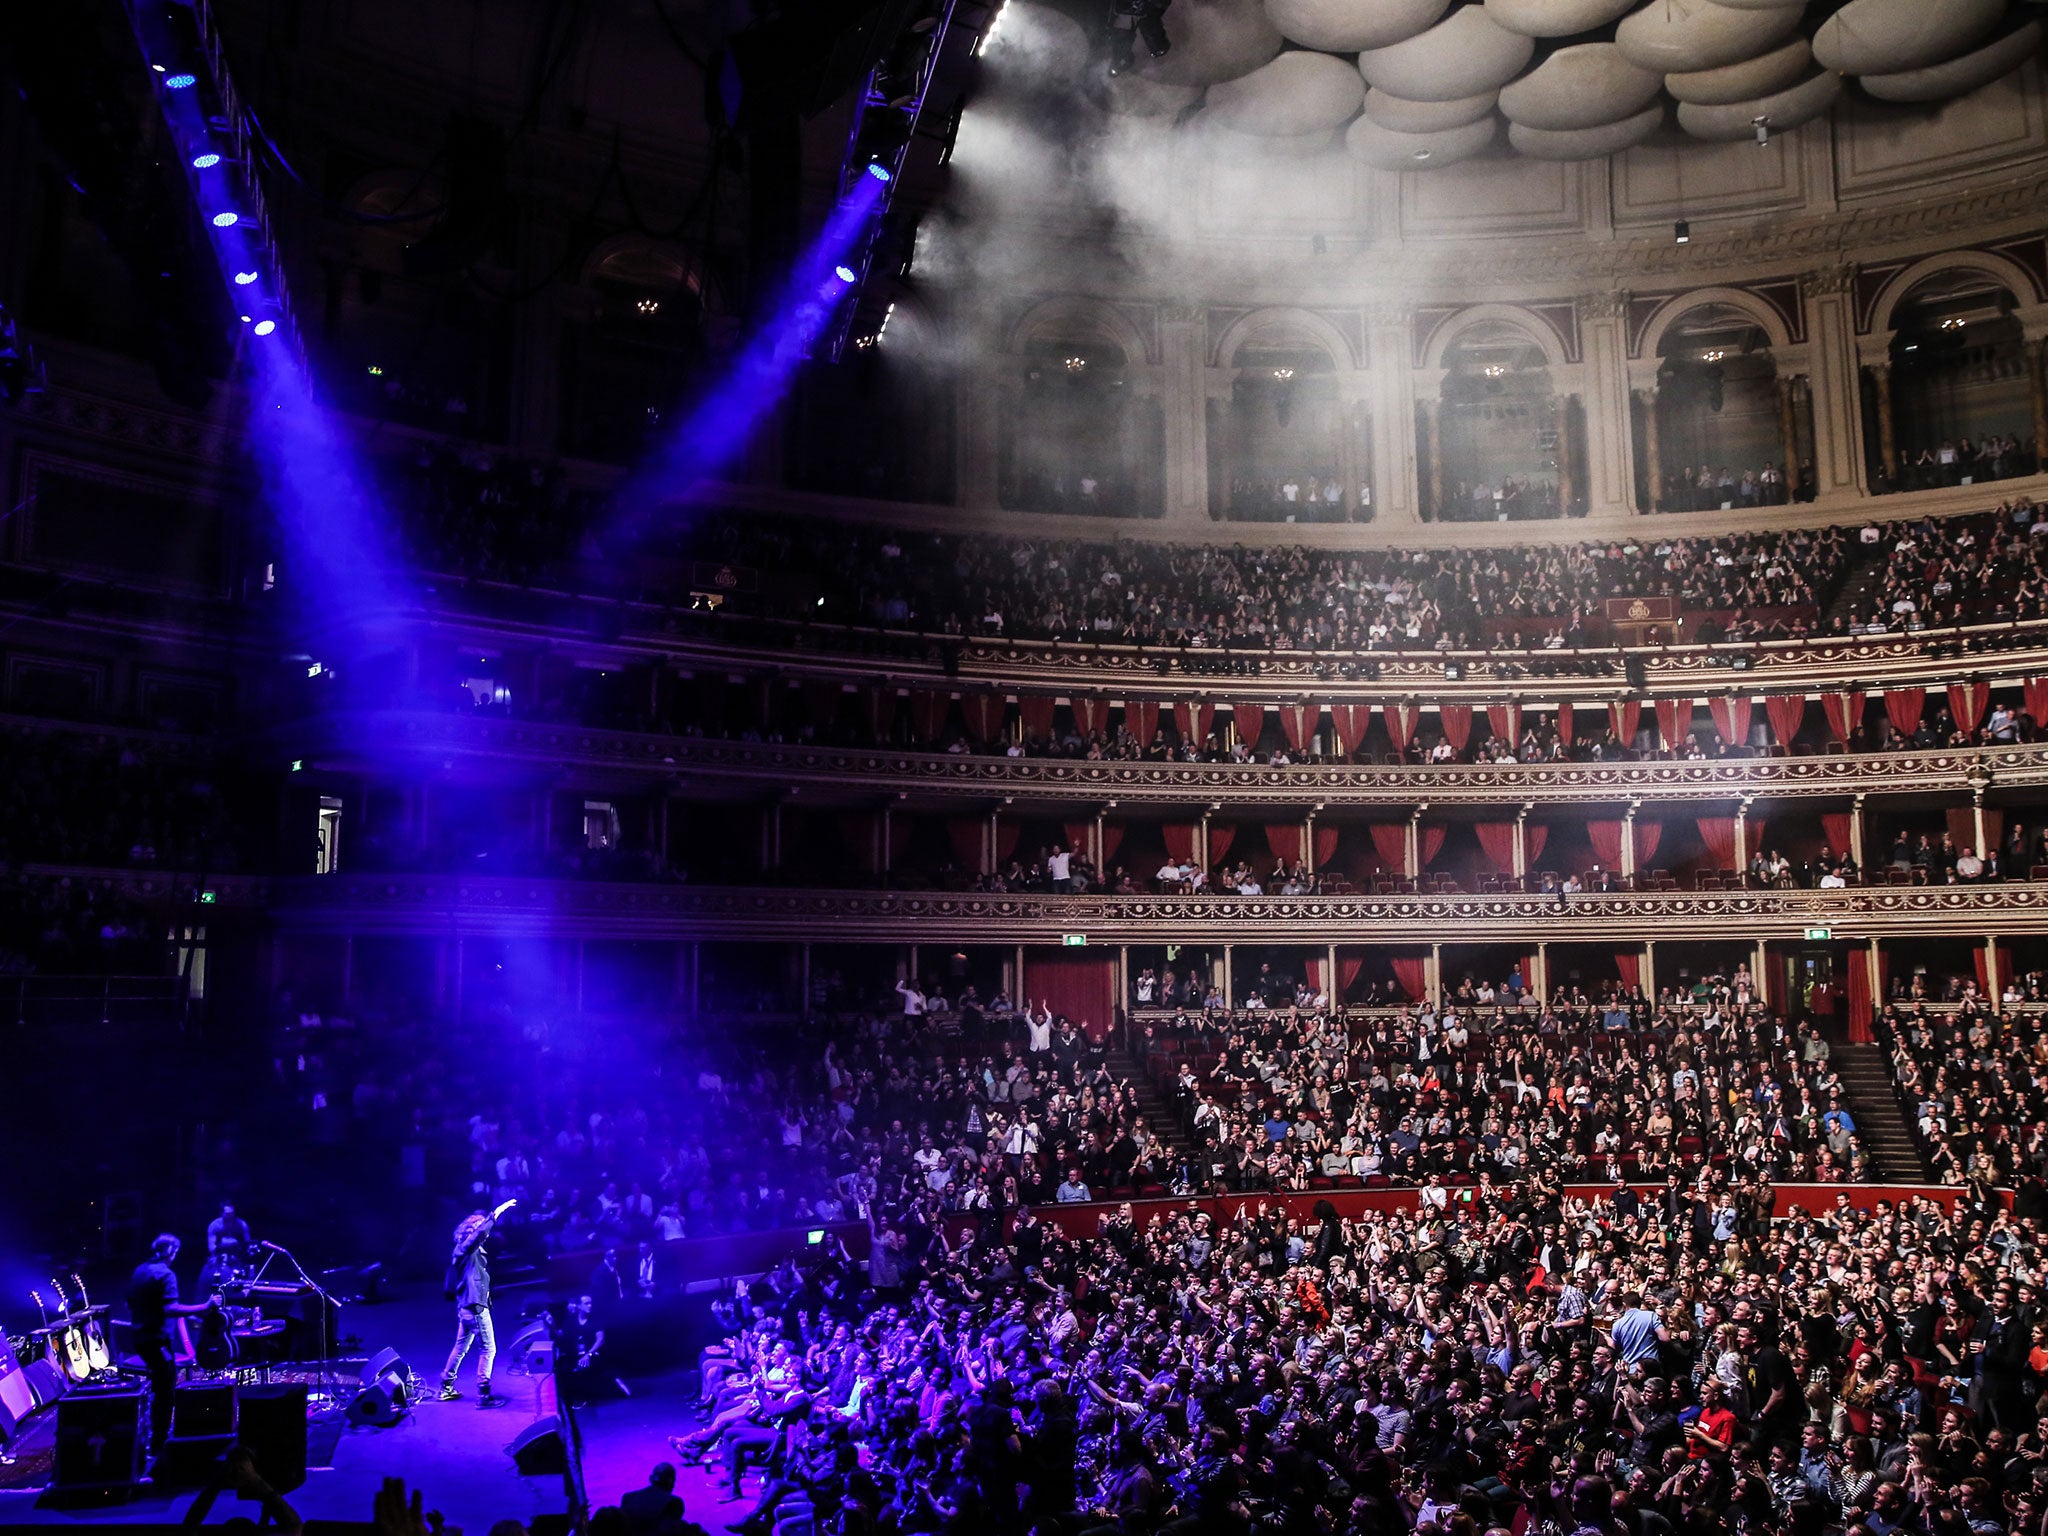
324,1398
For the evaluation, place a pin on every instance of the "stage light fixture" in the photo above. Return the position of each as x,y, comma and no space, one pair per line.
226,220
205,162
878,170
244,279
180,82
1762,125
1681,232
265,327
844,273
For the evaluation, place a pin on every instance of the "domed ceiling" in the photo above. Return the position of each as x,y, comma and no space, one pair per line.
1420,84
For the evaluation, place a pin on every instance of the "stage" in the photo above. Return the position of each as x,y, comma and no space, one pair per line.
454,1452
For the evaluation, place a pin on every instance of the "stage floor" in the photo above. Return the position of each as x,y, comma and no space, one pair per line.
454,1452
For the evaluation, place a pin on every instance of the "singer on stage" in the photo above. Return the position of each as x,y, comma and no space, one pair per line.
469,1287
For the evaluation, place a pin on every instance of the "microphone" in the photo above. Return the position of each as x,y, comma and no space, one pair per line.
269,1247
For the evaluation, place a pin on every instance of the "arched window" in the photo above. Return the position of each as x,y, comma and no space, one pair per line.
1962,408
1275,443
630,362
1720,419
1500,428
1076,439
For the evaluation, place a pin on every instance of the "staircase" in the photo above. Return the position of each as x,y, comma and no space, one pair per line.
1880,1119
1857,594
1154,1106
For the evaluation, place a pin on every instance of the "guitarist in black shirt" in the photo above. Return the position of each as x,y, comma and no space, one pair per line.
153,1308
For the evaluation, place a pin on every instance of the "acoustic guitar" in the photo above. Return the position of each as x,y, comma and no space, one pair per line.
97,1354
71,1349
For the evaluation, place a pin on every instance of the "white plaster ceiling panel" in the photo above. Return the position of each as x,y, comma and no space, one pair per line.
1586,143
1582,86
1214,40
1762,5
1760,76
1938,82
1556,18
1296,93
1405,116
1462,55
1345,26
1868,37
1667,35
1785,109
1142,96
1394,151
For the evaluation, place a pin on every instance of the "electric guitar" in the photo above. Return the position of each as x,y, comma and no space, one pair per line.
71,1348
97,1354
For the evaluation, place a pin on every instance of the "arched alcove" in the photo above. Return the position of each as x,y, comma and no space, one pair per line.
881,423
633,349
1721,419
1960,399
1276,436
1499,452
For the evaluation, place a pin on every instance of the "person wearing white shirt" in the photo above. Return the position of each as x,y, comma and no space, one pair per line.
1038,1030
1059,866
913,999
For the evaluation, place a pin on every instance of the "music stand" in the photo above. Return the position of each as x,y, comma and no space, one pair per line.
322,1399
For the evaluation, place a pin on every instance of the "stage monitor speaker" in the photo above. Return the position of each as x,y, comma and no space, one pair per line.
100,1437
46,1381
203,1410
538,1452
273,1430
385,1394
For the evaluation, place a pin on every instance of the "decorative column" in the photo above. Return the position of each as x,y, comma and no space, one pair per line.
1855,849
1308,842
1330,978
1567,489
1541,980
1653,453
1435,984
1628,842
1610,442
1887,434
1184,406
1411,851
1229,984
1650,970
1433,440
1788,434
990,842
1977,787
981,402
1742,840
1838,466
1521,853
1875,972
1991,979
1390,347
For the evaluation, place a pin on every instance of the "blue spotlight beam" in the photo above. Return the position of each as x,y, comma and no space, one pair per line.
723,422
336,545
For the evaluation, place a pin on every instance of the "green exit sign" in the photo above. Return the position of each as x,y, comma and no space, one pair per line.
1074,940
1819,935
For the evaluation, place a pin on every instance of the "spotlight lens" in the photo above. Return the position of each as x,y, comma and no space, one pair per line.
265,327
180,82
205,162
244,279
224,220
845,274
879,171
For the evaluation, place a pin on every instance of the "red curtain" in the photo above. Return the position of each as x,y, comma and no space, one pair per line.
1564,723
1141,719
1834,829
1628,964
1006,839
1401,722
1180,841
1978,959
1091,715
1497,842
984,714
1844,712
1298,724
1284,841
927,713
1606,839
1457,723
1348,968
1718,833
1250,719
964,833
1409,971
2036,691
1674,721
1505,721
1788,713
1904,705
821,704
861,831
1325,845
1429,843
1390,842
1626,718
1035,710
1350,721
1194,722
1080,834
1966,703
1648,835
1731,719
1083,990
881,711
1532,843
1112,839
1220,839
1861,1010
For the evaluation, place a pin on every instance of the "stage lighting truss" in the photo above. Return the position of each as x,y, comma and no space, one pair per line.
884,130
218,138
